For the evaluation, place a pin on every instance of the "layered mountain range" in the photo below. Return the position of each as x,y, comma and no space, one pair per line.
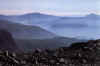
28,37
84,27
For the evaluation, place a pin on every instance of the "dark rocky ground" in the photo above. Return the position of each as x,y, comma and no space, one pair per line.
78,54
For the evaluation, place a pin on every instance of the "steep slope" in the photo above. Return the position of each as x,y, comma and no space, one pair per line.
24,31
7,42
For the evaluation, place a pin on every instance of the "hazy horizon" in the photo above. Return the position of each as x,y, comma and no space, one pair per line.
11,13
52,7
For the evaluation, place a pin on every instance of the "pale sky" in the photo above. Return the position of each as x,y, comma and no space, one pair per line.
56,7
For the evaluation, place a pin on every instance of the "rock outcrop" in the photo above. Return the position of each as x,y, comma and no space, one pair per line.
6,41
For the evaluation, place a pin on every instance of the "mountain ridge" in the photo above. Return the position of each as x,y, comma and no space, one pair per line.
24,30
61,25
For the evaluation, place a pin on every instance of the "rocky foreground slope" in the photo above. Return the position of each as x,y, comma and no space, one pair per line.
6,41
78,54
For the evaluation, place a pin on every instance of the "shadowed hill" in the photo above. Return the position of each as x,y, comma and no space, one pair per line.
7,42
30,44
25,31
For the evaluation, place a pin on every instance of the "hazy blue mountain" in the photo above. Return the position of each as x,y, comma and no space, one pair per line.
93,16
49,20
28,37
24,31
87,26
31,18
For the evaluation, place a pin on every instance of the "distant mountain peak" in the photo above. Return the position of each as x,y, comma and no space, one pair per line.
36,13
93,15
32,14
